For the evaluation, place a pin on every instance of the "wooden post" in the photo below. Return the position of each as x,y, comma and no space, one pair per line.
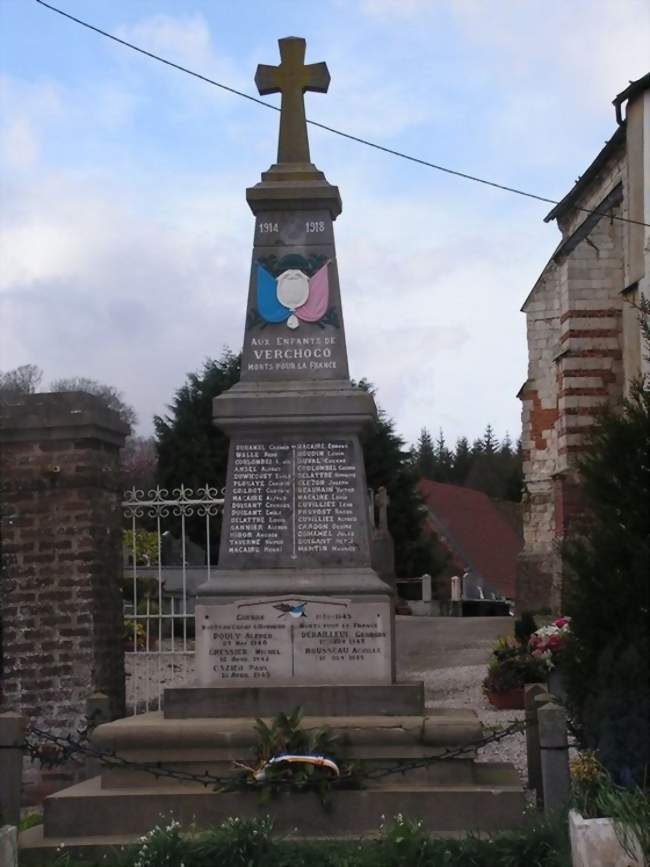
531,692
12,735
554,756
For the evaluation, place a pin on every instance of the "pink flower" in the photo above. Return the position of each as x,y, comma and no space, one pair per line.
562,621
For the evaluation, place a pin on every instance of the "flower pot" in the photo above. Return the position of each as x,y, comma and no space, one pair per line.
594,844
511,699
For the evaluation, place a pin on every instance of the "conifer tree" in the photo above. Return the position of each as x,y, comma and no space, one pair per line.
191,450
388,465
425,459
608,594
490,442
443,459
461,461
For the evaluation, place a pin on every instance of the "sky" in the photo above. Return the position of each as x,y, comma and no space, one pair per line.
125,237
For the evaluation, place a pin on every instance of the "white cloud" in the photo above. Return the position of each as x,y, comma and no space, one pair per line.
19,145
25,109
587,48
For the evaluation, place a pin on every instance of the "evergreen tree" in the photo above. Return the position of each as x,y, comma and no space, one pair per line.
388,464
461,461
606,664
191,450
490,442
425,459
443,459
485,473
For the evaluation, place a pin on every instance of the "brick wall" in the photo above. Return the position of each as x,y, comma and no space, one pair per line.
574,332
61,608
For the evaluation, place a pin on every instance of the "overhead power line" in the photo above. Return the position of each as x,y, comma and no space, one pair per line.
332,129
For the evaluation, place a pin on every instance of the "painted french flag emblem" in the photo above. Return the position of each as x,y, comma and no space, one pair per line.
292,296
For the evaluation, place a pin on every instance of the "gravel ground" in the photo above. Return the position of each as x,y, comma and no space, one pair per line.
460,686
450,655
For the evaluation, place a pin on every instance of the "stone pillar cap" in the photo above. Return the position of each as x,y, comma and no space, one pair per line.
60,415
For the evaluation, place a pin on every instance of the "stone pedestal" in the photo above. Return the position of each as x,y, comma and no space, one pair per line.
294,615
295,599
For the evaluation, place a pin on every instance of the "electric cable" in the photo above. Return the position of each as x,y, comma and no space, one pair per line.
332,129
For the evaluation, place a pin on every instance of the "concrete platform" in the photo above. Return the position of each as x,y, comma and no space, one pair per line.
324,700
494,801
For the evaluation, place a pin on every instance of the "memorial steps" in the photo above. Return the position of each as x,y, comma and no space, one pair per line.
450,795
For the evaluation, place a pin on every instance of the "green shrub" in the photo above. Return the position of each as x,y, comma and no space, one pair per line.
511,667
608,558
401,843
163,846
30,821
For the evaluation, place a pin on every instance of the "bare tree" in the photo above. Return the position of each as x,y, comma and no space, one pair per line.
139,463
21,380
110,395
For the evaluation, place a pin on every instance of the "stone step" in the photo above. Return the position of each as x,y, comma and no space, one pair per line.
335,700
494,801
436,773
213,745
144,735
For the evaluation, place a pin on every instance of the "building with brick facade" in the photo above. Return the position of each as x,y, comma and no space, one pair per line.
584,337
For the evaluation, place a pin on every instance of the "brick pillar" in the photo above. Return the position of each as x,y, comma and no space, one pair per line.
61,612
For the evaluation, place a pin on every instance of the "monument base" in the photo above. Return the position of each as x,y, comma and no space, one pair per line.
450,795
79,817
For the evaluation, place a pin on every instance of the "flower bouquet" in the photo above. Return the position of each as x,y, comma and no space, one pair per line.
510,668
549,642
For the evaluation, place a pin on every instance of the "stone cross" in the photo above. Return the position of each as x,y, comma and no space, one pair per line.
292,79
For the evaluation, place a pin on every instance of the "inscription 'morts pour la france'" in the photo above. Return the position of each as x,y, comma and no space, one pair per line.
294,499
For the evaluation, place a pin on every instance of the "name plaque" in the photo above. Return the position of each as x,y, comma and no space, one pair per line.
294,499
311,639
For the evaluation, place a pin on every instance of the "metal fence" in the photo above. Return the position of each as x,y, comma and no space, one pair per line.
170,542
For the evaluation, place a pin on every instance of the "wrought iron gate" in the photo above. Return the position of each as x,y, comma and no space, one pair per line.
163,566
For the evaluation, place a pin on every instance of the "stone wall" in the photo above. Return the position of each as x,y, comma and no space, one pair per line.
575,342
61,609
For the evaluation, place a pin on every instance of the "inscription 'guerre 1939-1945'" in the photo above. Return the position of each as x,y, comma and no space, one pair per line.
293,638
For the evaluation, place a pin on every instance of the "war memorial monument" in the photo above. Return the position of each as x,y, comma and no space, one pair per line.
294,615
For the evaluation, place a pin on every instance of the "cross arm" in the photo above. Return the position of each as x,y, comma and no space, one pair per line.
267,79
317,77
